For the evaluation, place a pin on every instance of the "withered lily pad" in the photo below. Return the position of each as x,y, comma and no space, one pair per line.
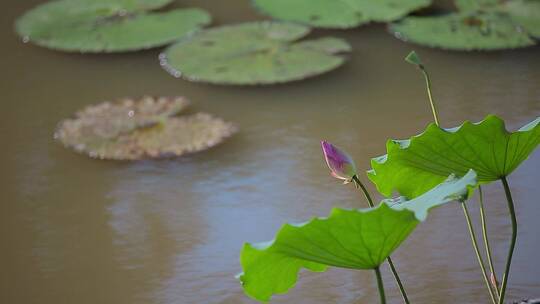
109,119
479,25
139,129
338,13
253,53
107,26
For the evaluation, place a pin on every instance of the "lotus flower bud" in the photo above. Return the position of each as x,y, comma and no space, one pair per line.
340,163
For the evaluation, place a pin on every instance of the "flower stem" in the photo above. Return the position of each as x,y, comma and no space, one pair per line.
477,250
389,259
380,285
430,96
513,240
486,241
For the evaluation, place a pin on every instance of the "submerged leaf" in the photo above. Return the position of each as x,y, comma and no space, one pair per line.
107,26
356,239
253,53
414,166
339,13
463,31
135,129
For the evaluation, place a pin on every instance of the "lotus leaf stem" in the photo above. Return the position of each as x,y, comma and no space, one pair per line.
477,251
389,259
467,217
430,96
513,240
486,241
380,285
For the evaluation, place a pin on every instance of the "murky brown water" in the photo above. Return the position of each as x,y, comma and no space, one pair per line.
76,230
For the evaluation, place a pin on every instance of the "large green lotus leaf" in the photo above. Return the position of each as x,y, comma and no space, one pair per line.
355,239
414,166
253,53
526,13
474,5
106,26
463,31
338,13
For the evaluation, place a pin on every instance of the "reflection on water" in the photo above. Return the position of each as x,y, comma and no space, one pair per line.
77,230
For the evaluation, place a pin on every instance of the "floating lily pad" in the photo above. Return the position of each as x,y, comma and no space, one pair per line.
355,239
526,13
253,53
479,25
107,26
475,5
339,13
145,128
463,31
109,119
414,166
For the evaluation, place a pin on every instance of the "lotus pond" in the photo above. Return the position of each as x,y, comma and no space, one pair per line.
81,230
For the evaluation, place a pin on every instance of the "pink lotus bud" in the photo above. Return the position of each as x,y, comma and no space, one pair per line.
340,163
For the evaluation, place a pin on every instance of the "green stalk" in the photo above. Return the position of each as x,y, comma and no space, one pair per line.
414,59
477,251
380,285
486,241
389,259
430,96
513,240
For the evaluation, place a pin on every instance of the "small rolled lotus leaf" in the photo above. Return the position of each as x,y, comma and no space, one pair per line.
413,58
412,167
355,239
144,128
463,31
253,53
338,13
107,26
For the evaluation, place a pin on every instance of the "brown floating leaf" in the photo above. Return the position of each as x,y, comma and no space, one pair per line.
136,129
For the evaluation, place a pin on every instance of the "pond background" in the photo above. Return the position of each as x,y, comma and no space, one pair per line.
77,230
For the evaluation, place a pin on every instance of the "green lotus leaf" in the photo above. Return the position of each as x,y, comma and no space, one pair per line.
414,166
355,239
131,129
107,26
463,31
338,13
526,13
253,53
475,5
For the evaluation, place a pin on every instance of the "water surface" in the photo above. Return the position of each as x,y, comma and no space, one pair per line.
76,230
